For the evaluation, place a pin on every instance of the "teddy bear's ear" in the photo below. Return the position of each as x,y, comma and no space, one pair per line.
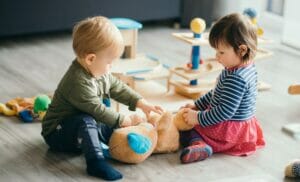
179,122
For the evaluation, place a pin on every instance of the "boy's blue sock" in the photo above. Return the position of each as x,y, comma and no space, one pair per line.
105,150
100,168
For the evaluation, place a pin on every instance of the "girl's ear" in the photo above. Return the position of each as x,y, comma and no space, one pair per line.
89,59
243,49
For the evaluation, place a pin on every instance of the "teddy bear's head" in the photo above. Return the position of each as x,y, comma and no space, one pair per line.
168,127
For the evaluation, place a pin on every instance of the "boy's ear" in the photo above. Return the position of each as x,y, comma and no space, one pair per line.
243,49
89,58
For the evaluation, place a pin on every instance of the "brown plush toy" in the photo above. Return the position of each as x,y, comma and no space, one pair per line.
168,127
134,144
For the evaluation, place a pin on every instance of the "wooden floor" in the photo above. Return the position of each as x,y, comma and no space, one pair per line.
34,65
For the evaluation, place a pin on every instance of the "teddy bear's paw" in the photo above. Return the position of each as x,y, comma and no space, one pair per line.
139,143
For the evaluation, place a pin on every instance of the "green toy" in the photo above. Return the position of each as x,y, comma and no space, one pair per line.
41,103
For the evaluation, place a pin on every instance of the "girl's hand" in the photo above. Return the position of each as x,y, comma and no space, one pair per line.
147,108
190,116
190,106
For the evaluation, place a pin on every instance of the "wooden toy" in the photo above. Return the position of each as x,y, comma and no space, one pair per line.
294,89
252,14
195,71
133,66
129,30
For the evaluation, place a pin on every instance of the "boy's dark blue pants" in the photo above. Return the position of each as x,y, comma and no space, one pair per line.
80,133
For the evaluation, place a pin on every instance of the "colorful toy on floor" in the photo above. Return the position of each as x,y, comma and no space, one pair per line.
41,104
135,144
252,14
6,110
27,109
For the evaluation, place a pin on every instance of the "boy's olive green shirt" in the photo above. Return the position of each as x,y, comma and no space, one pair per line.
79,91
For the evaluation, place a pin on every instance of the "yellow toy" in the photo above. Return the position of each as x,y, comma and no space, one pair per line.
252,14
6,110
16,105
136,143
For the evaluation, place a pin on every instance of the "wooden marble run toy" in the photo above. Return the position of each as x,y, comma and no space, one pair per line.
198,68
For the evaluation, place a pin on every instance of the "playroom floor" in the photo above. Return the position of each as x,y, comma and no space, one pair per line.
34,65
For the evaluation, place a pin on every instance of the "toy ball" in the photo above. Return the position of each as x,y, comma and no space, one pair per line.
41,103
250,12
197,25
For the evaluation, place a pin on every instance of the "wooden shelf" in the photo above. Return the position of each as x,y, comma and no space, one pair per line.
204,69
203,41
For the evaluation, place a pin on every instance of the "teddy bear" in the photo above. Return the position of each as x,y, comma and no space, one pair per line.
135,144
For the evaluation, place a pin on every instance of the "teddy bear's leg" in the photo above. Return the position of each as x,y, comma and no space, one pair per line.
293,169
139,143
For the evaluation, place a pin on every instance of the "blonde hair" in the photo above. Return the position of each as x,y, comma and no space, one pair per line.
234,30
95,34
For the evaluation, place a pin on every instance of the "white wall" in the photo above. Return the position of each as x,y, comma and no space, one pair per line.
291,28
223,7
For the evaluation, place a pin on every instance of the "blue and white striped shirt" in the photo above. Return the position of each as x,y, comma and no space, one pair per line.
233,98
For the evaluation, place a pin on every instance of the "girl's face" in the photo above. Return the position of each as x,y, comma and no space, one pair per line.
226,55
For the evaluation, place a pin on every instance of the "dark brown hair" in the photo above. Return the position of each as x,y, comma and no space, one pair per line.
235,30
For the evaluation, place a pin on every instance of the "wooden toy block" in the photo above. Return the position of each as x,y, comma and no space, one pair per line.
293,129
130,41
294,89
129,30
262,86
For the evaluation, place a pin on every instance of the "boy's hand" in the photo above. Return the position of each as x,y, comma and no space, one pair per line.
190,116
132,120
190,106
147,108
136,119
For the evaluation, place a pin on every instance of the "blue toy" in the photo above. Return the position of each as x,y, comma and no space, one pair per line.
197,26
26,116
